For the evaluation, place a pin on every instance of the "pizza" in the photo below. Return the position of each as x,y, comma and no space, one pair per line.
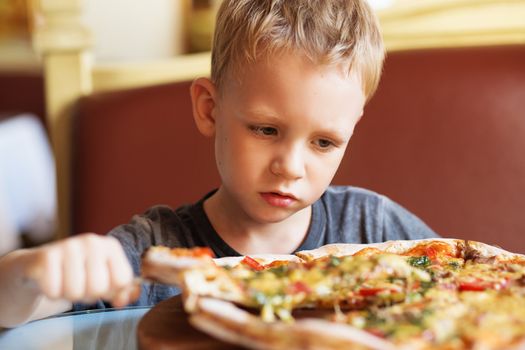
419,294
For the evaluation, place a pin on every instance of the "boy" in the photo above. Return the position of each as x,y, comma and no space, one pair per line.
288,85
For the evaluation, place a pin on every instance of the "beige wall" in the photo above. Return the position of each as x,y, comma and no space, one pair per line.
132,30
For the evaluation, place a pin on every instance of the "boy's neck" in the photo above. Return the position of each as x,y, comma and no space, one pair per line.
248,237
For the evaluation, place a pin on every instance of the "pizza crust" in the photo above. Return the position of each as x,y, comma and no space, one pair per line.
401,246
343,249
229,323
232,324
490,250
263,259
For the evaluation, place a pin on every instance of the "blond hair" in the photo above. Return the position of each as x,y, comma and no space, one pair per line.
326,31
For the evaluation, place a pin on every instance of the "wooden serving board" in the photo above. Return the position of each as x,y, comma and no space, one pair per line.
166,327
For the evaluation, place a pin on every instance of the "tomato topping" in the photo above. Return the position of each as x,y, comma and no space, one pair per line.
474,286
416,285
203,251
518,261
377,332
433,250
254,264
368,292
194,252
298,287
479,285
373,291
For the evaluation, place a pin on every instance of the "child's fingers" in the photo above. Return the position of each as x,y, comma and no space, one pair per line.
127,294
120,271
82,268
74,270
97,274
123,287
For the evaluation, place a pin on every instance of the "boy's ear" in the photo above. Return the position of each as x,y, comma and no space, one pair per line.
203,99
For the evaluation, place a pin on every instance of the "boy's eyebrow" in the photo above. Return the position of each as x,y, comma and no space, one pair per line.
256,114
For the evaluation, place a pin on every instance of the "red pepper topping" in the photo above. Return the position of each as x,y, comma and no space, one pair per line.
193,252
473,286
254,264
203,251
298,287
368,292
377,332
479,285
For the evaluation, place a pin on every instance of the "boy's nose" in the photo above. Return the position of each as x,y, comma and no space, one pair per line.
289,163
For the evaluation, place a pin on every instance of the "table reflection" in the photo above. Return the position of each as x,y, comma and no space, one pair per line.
98,329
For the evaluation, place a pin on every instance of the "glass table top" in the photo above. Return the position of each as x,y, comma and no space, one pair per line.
94,329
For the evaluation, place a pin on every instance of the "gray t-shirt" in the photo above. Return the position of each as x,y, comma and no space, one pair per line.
341,215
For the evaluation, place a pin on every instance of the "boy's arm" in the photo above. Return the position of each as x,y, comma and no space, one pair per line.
20,299
40,282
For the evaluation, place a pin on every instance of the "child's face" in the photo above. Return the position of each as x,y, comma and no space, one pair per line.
280,134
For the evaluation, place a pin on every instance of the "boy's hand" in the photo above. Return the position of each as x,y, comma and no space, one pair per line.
83,268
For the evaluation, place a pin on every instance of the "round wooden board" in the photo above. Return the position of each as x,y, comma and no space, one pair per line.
166,326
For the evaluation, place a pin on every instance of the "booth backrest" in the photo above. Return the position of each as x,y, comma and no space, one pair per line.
134,149
444,136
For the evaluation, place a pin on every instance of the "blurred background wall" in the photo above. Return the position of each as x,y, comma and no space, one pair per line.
135,29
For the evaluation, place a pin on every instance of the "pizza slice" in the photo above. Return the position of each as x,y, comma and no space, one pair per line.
277,285
198,274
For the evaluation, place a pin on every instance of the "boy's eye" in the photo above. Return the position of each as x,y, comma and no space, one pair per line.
324,144
264,130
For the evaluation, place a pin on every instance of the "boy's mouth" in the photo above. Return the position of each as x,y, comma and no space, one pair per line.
278,199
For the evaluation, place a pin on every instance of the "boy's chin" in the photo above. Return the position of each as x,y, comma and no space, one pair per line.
274,215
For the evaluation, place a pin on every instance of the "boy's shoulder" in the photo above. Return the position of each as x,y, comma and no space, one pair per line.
340,189
361,201
356,203
160,224
370,216
351,193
